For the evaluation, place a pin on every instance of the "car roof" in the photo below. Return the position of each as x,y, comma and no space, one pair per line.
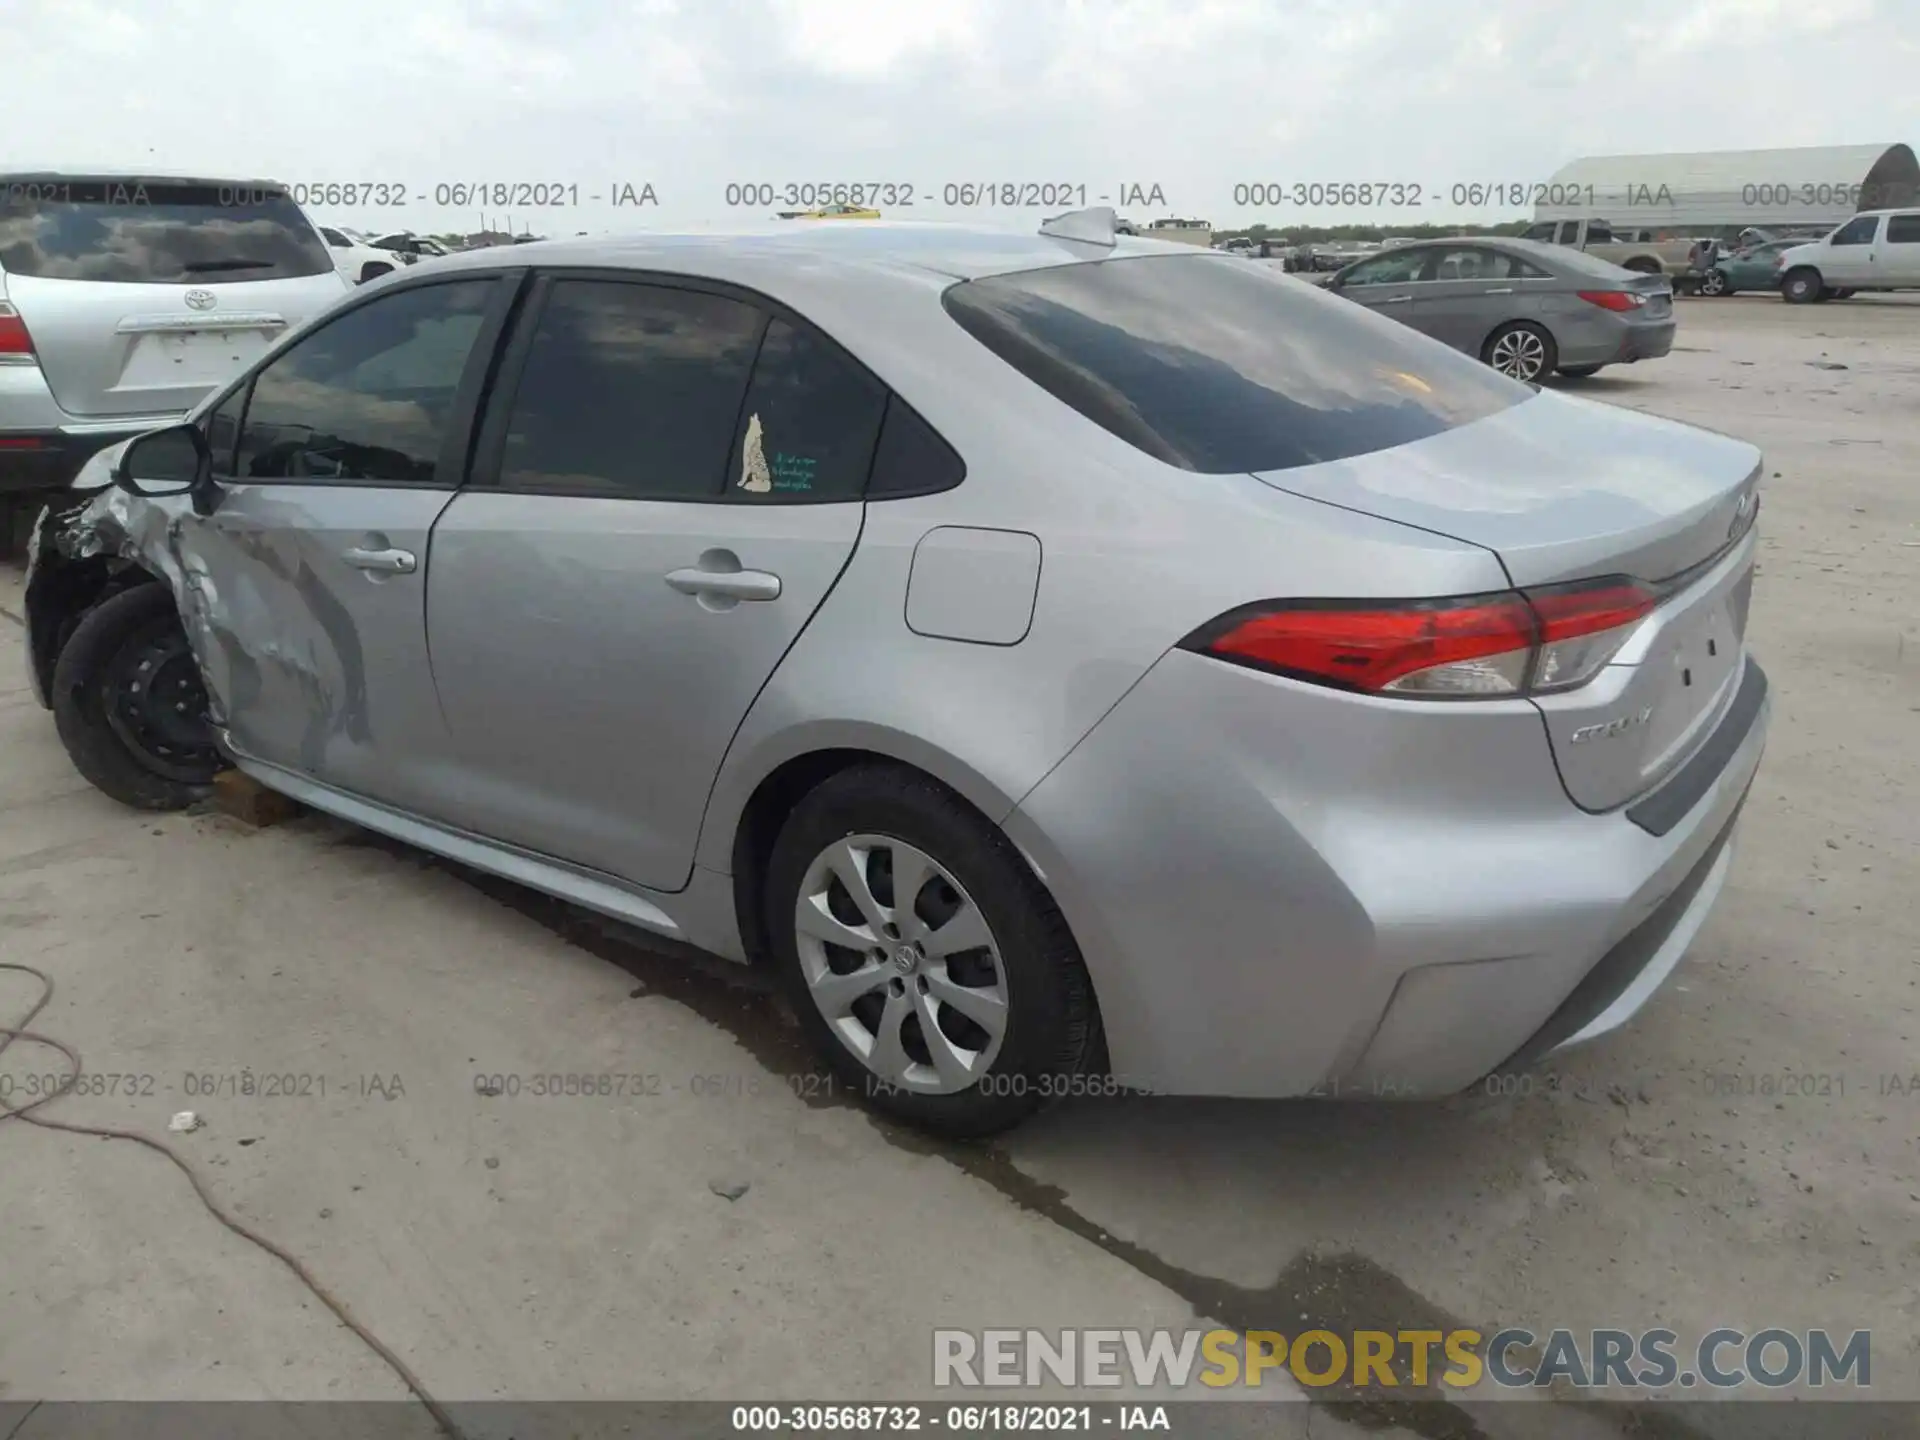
951,252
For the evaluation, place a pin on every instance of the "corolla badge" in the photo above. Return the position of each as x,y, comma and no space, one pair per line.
1608,728
201,299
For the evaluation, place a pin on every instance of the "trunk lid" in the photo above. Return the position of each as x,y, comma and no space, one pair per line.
1659,292
111,350
141,295
1562,490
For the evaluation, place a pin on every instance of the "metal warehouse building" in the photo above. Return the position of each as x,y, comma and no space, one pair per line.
1694,194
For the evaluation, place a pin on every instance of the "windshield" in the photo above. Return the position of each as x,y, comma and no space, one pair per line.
152,232
1216,367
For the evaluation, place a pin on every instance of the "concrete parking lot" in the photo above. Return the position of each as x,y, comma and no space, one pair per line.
1745,1154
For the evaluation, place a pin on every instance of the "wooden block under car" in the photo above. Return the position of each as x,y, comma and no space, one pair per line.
250,802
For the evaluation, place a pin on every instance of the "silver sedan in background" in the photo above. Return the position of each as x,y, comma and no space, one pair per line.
1524,308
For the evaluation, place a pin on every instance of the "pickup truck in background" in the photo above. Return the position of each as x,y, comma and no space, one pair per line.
1651,252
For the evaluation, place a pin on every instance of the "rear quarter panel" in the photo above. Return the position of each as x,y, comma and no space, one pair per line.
1134,556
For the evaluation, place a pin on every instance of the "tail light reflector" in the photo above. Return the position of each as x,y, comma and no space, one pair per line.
1614,299
14,339
1469,647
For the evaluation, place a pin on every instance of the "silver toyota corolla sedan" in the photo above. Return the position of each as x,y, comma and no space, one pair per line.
1073,661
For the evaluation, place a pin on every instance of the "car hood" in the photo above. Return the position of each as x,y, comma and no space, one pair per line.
1558,487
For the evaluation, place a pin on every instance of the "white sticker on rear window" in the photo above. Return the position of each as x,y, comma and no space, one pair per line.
754,474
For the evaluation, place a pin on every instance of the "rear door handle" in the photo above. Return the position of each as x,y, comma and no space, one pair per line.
726,584
387,562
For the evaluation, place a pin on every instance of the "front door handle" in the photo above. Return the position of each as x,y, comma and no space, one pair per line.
1503,290
387,562
726,584
1396,300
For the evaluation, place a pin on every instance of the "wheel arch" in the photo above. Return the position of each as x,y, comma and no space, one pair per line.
1521,323
747,811
1803,268
58,597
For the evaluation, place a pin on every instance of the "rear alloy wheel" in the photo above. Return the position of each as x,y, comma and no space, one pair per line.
1713,283
130,706
1802,287
1521,351
930,969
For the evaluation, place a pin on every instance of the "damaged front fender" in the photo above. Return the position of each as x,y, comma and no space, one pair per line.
95,540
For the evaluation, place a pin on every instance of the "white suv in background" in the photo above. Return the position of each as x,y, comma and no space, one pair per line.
356,257
1875,250
125,297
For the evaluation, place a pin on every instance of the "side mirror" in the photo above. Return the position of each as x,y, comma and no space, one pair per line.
173,461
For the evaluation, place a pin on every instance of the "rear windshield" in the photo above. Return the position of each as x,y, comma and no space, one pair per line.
1215,365
150,232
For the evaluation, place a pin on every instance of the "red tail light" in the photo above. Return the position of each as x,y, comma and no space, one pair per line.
14,339
1471,646
1614,299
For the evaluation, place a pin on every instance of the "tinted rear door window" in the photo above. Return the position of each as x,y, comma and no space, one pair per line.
811,419
149,232
632,390
1214,365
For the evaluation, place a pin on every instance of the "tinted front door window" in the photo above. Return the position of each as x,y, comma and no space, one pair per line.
1857,231
369,396
630,390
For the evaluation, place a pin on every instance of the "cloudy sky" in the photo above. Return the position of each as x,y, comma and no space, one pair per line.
692,96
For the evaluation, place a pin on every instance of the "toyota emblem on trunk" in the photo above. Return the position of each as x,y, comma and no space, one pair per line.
201,299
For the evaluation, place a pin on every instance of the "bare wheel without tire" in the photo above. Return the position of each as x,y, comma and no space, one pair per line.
130,706
930,968
1520,350
1713,283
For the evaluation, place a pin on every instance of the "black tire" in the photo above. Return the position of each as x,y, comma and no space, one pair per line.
372,270
1052,1033
141,753
1579,372
1802,287
1548,352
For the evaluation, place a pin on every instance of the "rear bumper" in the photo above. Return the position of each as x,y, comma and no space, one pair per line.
50,459
1280,890
42,447
1628,342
